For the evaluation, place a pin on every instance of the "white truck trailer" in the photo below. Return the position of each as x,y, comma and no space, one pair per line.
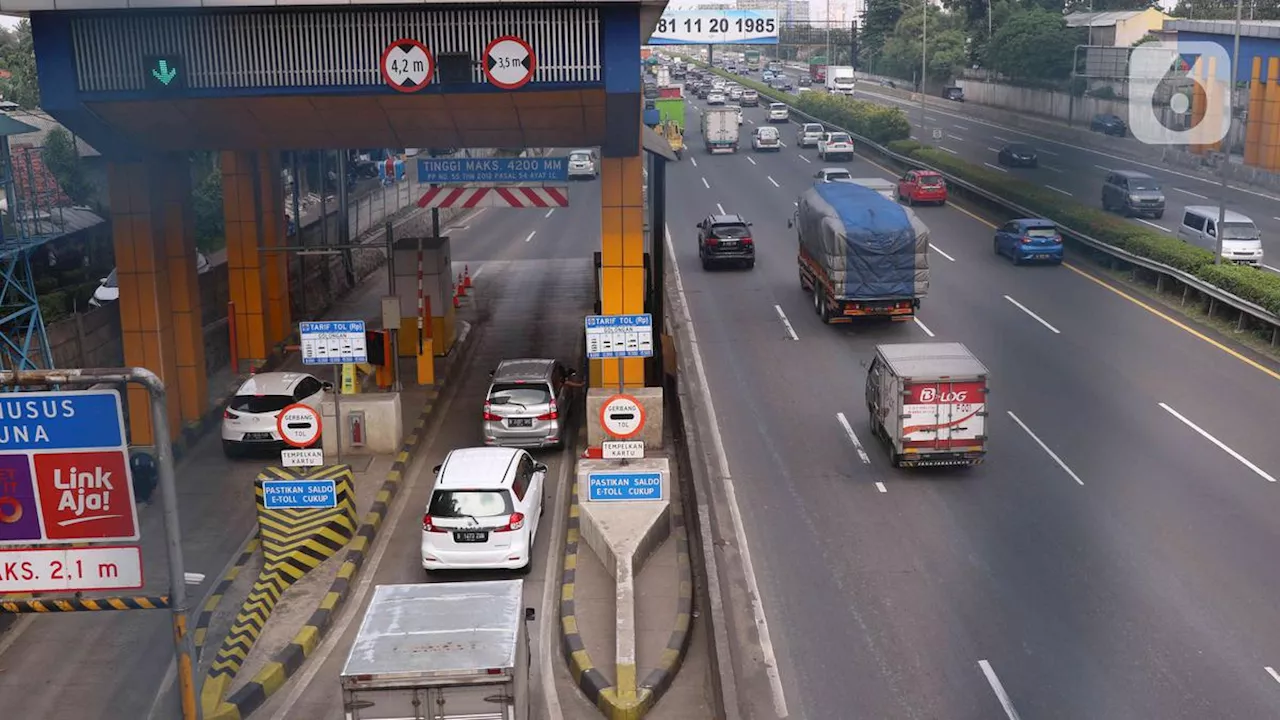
840,80
720,129
440,651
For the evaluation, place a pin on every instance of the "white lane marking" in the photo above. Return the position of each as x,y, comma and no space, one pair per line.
804,158
1051,168
1158,227
753,122
1221,445
1058,190
535,232
954,137
960,127
1001,139
1038,319
785,322
694,161
1047,152
550,588
995,167
739,529
923,327
993,150
458,228
706,184
782,143
1001,695
549,213
880,486
1188,192
1104,169
751,160
775,182
1270,670
938,250
913,137
857,444
720,208
1044,447
478,271
953,152
1271,268
930,119
1275,218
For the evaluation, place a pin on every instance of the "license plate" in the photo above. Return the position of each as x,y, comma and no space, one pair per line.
258,436
519,422
1041,256
471,536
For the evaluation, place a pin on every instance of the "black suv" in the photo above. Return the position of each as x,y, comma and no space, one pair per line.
1109,125
725,239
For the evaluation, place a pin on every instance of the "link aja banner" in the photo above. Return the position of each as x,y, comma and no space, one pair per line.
64,469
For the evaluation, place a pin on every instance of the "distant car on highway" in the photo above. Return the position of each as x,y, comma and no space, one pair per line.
1108,124
526,403
922,186
953,93
835,145
725,239
484,511
766,138
779,113
750,98
833,174
1133,193
108,289
1018,155
809,134
582,163
249,420
715,97
1029,240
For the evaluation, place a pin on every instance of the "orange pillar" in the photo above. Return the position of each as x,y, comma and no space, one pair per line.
1198,102
1270,146
1253,125
146,318
275,266
622,281
246,279
177,227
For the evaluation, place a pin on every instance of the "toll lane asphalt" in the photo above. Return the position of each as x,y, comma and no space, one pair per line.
110,665
1079,595
528,307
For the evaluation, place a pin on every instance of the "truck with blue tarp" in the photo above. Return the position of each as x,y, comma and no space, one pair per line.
861,255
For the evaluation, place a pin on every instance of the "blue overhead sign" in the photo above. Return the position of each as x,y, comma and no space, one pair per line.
299,494
624,486
61,420
444,171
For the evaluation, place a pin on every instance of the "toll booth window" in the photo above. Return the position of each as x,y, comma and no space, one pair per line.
256,404
518,394
470,503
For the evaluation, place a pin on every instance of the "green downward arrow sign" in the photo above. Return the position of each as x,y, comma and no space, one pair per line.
164,73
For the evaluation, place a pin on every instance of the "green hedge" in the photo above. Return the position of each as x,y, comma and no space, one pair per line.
890,127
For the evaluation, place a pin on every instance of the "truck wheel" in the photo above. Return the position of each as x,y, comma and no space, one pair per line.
820,304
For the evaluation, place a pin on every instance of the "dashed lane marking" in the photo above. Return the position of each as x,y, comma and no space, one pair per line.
857,444
1221,445
1044,447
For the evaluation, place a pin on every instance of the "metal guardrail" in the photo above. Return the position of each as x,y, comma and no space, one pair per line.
1216,294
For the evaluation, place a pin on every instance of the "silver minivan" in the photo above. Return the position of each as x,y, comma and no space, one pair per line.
526,404
1241,239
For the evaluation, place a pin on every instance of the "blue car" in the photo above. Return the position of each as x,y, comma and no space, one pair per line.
1029,240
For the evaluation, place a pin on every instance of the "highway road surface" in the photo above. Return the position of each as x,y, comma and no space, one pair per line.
1077,171
1111,560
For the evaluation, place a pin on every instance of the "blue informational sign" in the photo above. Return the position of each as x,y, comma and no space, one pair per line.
333,343
61,420
446,171
619,336
620,486
299,494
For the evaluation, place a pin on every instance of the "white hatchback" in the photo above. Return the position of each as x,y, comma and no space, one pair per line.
249,420
484,510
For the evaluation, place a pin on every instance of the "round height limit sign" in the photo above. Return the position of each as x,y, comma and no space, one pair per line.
622,416
407,65
509,62
299,425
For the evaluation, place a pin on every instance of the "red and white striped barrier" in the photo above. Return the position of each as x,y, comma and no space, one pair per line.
515,197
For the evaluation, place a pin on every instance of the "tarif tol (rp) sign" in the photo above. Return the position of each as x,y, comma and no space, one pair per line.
64,469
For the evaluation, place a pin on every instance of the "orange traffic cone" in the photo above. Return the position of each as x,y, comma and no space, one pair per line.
456,302
466,277
462,288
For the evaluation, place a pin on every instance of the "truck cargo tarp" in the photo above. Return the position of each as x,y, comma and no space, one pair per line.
869,246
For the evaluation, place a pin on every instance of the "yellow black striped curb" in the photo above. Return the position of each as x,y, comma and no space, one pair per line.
294,542
219,591
590,680
140,602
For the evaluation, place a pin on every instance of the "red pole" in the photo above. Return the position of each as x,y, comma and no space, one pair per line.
231,334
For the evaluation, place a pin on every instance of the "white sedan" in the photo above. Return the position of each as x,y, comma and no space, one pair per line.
249,420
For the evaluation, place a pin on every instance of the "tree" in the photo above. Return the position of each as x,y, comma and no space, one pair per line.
1035,45
881,18
62,157
945,50
18,56
211,226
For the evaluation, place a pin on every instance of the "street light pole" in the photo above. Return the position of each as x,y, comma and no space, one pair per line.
1226,145
924,58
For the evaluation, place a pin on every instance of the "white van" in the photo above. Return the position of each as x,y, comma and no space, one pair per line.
1241,240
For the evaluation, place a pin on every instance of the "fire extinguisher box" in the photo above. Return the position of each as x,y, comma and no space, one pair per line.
371,424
